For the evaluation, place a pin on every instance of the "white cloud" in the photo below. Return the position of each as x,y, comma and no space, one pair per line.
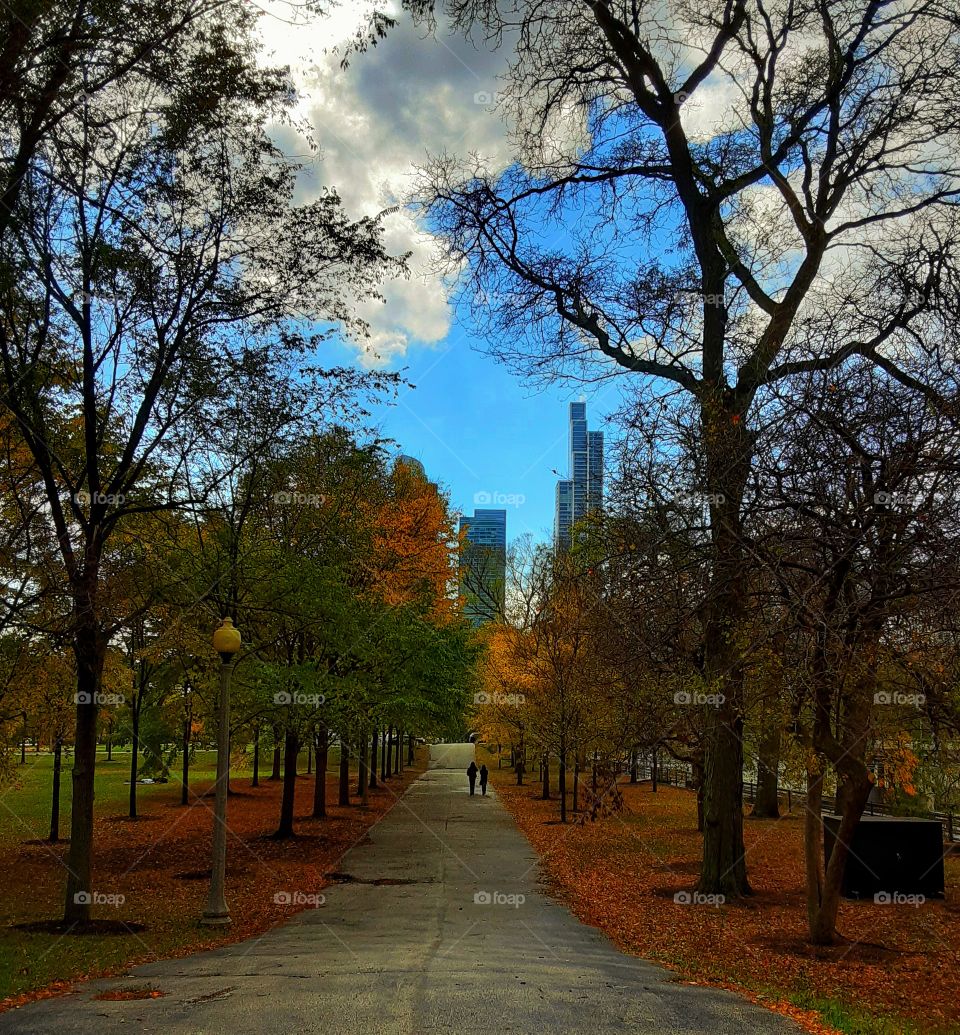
413,95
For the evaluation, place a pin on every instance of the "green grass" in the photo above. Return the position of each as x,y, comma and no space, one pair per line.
852,1021
31,960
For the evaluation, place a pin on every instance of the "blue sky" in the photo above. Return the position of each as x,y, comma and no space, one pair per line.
478,429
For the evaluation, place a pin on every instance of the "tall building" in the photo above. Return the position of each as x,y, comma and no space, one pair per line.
483,564
582,491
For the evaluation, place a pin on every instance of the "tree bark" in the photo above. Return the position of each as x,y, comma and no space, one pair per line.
562,775
545,771
255,782
185,762
388,753
364,775
134,751
373,758
291,748
55,797
89,647
320,779
275,772
344,790
766,805
728,451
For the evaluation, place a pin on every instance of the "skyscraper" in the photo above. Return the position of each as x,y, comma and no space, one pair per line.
582,492
483,564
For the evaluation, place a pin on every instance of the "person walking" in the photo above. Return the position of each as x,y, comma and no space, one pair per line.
472,776
484,774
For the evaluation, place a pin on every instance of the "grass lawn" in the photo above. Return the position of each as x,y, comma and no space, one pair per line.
156,869
898,971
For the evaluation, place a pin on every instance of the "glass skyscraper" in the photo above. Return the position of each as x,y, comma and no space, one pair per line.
483,564
583,490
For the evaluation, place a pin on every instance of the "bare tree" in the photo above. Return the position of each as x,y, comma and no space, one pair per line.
713,196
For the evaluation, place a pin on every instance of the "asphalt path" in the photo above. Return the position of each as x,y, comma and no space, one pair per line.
436,924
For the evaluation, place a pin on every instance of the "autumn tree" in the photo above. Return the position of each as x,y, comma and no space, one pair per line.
711,198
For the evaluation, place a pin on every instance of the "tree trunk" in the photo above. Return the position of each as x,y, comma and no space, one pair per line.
562,774
320,780
255,782
728,448
364,780
55,798
634,766
185,763
309,757
134,751
373,758
275,772
824,882
545,771
344,795
766,805
576,783
397,760
291,748
388,765
655,776
410,749
89,648
110,742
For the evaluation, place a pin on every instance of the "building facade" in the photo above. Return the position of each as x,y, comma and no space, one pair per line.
483,564
581,492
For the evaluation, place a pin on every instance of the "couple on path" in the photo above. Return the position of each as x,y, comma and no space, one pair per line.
472,772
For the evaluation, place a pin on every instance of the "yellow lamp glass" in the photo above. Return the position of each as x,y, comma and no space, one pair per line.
226,639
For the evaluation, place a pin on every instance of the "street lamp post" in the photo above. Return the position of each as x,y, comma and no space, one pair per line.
226,642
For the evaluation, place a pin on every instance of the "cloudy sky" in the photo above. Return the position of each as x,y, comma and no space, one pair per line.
476,428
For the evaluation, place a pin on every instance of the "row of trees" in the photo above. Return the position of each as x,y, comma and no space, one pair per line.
849,637
163,295
706,202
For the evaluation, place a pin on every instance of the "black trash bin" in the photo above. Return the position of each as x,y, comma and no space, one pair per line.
892,854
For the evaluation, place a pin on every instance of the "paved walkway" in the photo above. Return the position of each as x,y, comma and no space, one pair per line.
441,928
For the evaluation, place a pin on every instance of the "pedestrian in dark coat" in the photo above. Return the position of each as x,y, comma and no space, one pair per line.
484,774
472,776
